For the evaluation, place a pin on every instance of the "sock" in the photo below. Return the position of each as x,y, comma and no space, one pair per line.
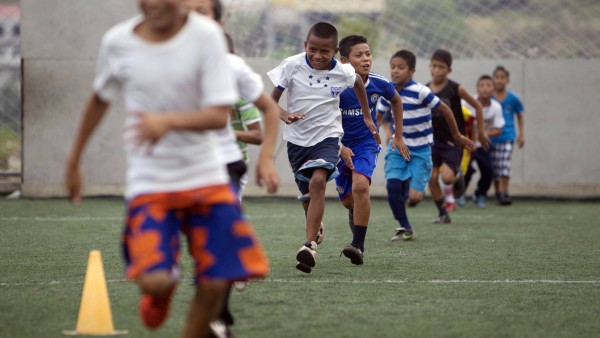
358,240
448,192
397,195
441,207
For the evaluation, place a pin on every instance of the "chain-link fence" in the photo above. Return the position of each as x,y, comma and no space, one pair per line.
10,93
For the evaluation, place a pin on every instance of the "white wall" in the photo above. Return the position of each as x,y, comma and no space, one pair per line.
60,41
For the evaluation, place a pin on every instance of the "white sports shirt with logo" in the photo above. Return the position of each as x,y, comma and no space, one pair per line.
314,93
178,75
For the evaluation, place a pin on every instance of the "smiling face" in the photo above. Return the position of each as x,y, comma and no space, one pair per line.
361,59
400,72
320,51
161,15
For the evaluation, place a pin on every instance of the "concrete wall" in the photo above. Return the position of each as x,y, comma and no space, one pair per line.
60,41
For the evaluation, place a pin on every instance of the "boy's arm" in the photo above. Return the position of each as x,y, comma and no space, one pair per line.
94,111
361,94
398,142
482,137
252,135
286,117
265,168
520,136
460,139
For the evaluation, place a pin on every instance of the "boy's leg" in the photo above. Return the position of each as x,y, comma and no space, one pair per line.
398,177
316,207
205,307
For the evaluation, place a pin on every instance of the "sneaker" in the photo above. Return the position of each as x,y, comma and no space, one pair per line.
219,329
403,234
462,200
459,185
479,201
154,309
443,219
320,234
354,253
505,199
306,257
450,207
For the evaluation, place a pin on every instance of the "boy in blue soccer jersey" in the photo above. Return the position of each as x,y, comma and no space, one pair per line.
446,154
359,150
503,144
315,80
407,179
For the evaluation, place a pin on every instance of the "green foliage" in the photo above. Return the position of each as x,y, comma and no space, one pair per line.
10,143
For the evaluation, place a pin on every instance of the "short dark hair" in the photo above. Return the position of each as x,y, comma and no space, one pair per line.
217,9
323,30
484,77
350,41
501,69
408,56
443,56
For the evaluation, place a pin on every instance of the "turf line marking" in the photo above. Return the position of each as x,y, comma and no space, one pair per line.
331,281
61,219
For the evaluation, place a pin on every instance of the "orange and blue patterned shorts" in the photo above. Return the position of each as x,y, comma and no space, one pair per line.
221,242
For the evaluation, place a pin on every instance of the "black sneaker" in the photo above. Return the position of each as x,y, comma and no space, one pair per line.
354,253
505,199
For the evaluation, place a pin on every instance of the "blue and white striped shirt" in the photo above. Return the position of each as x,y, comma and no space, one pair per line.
417,103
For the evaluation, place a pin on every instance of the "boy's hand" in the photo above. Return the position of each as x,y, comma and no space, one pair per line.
520,140
346,154
293,117
151,127
398,143
484,140
373,130
266,175
73,183
466,143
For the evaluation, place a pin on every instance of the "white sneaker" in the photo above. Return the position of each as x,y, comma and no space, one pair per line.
307,257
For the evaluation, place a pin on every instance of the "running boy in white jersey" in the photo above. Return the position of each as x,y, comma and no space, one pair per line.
359,152
407,179
315,80
174,90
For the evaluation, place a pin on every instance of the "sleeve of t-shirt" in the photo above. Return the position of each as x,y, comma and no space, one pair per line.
498,115
428,98
518,105
216,80
350,74
389,91
383,106
249,114
106,84
249,83
279,75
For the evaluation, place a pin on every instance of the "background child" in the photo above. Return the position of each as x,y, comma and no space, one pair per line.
503,143
493,123
407,177
446,154
315,80
359,152
174,90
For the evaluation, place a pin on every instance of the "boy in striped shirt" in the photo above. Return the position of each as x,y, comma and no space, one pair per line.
407,179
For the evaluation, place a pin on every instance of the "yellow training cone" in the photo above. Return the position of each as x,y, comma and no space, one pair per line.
95,317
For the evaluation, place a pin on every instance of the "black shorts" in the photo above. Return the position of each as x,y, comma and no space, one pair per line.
304,160
236,170
450,155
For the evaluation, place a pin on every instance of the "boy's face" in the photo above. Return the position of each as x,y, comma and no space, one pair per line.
399,71
320,51
500,80
485,88
160,14
439,71
360,58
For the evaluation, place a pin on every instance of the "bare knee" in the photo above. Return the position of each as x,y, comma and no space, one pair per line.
415,197
318,182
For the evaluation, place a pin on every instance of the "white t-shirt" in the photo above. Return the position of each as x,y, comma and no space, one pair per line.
316,94
492,116
250,86
180,75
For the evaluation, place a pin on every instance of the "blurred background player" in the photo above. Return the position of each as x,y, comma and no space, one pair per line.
407,177
503,143
360,150
446,154
315,80
175,91
493,123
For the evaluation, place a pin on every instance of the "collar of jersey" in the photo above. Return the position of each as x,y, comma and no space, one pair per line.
408,83
333,62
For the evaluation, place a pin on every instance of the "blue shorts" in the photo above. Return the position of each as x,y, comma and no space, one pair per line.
364,160
418,169
304,160
221,242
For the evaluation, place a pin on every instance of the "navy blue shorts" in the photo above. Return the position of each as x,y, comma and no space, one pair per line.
304,160
364,160
451,155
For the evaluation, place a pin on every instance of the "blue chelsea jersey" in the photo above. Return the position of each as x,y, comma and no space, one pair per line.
356,132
